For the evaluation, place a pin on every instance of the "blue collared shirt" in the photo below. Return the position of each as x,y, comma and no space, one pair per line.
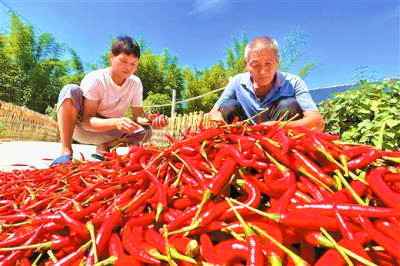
241,88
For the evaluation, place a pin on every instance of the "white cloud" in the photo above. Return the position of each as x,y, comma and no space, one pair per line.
201,6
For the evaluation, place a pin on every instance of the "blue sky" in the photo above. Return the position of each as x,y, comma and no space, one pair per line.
347,38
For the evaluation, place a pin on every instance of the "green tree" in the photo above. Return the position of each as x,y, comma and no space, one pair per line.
33,72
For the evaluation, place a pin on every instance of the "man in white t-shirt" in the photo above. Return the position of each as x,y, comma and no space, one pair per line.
93,113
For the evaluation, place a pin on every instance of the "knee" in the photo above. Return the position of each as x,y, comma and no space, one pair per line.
289,107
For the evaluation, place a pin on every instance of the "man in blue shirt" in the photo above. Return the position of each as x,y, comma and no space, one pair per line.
266,95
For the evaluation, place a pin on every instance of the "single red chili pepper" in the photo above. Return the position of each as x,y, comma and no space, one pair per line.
231,250
103,193
155,239
221,178
75,225
283,203
132,246
24,262
278,184
170,215
86,211
142,220
350,152
389,227
364,160
74,256
13,217
185,245
381,189
183,203
116,249
253,199
207,250
391,246
346,209
198,138
389,153
254,256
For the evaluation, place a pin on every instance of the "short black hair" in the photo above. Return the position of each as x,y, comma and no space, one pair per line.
125,44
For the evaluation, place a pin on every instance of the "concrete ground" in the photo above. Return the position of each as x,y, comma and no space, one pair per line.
24,155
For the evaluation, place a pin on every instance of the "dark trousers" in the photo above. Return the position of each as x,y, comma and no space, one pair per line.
282,109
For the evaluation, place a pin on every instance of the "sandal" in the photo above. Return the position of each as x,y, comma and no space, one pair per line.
62,159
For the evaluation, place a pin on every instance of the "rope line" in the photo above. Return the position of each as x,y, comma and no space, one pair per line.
191,99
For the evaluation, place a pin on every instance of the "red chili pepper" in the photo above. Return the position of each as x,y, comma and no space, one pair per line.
344,195
350,152
312,189
253,199
333,257
223,175
75,225
389,227
231,250
207,249
390,245
132,246
389,153
349,237
74,256
381,189
283,203
115,248
185,245
15,255
346,209
104,232
198,138
364,160
155,239
275,152
231,150
300,163
103,193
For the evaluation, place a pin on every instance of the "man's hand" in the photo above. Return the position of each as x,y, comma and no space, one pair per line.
215,117
125,124
159,121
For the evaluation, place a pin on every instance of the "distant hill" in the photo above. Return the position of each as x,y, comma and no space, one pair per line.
322,94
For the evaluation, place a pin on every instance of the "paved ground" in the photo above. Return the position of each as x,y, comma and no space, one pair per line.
23,155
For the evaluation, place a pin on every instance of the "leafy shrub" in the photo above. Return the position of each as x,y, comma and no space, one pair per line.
360,114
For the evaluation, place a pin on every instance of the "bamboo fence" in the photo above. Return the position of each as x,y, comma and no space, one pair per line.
21,124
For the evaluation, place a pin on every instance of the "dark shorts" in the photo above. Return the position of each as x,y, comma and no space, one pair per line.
283,109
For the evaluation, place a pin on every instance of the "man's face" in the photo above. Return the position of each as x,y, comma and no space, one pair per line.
262,65
124,65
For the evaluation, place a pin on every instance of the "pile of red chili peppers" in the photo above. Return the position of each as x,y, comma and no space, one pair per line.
230,195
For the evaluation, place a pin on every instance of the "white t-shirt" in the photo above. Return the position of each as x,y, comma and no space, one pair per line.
113,100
